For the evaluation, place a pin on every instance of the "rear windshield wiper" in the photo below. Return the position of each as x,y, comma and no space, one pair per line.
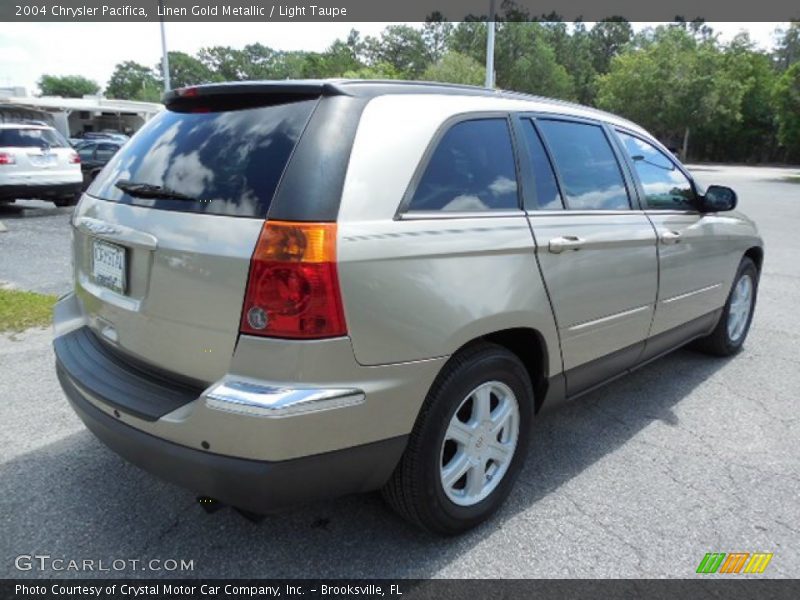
148,190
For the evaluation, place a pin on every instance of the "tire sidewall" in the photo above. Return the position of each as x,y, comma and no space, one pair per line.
494,365
747,267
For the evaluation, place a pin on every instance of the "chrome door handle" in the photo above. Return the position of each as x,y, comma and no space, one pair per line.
670,237
567,242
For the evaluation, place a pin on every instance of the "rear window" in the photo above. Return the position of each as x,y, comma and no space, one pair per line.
31,138
226,162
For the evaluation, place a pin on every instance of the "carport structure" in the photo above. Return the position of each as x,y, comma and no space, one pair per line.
72,116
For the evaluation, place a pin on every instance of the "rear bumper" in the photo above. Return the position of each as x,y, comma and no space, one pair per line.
258,486
55,190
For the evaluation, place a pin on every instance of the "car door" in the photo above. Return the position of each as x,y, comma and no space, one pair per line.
595,248
694,260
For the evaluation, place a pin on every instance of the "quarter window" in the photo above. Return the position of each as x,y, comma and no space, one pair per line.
589,171
472,169
665,186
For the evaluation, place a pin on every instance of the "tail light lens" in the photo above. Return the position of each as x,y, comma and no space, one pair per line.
293,288
74,158
7,159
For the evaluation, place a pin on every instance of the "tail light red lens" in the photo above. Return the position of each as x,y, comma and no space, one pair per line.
6,158
74,158
293,289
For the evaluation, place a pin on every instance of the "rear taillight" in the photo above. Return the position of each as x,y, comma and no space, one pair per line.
7,159
293,289
74,158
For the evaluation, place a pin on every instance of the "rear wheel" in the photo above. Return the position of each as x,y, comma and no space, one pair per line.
468,444
734,324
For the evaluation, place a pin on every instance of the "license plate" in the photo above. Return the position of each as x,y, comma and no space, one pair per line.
45,160
108,265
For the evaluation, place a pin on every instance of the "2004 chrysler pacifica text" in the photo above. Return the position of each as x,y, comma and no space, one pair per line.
292,290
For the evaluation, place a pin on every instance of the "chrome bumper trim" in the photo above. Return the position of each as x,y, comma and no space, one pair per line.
268,401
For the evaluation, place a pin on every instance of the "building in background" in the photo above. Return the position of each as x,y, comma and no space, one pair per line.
76,116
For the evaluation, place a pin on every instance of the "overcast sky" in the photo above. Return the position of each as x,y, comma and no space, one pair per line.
92,49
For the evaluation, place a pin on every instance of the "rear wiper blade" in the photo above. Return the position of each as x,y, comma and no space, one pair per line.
149,190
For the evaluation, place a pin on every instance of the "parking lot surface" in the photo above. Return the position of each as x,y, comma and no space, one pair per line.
686,456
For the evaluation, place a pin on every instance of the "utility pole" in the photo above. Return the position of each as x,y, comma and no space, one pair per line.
490,47
164,57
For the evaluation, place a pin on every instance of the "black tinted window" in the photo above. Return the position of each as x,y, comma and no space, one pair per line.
547,194
664,185
31,138
586,163
472,169
106,151
229,161
86,151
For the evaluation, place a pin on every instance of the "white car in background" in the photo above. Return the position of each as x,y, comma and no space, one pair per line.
37,162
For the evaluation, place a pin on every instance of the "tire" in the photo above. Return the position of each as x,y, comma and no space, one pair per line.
67,201
721,342
416,490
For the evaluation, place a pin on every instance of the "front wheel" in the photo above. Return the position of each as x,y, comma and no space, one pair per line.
734,324
468,444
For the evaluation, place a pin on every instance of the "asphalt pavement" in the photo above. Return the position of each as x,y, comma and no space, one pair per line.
642,478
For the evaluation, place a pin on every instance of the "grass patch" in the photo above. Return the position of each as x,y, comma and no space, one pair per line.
792,179
20,310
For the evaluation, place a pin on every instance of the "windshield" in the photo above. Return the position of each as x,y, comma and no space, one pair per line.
227,162
31,138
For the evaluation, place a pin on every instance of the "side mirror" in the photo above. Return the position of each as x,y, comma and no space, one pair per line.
718,198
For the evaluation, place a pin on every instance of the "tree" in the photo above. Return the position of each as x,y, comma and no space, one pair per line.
67,86
608,38
228,63
185,70
671,85
787,102
436,32
401,46
377,71
526,62
339,58
132,81
455,68
787,51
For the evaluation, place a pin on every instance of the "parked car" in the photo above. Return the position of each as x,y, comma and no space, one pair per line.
291,290
37,162
94,156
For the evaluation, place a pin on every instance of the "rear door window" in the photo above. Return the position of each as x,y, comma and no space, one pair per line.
590,174
224,162
547,195
471,169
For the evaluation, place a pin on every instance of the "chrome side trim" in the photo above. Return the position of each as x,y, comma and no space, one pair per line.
689,294
627,313
114,232
270,401
421,215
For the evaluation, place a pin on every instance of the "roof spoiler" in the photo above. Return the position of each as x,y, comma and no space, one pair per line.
246,94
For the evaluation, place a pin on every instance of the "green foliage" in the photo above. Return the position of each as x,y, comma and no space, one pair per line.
67,86
787,101
729,101
187,70
787,52
401,46
21,310
132,81
672,85
456,68
376,71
